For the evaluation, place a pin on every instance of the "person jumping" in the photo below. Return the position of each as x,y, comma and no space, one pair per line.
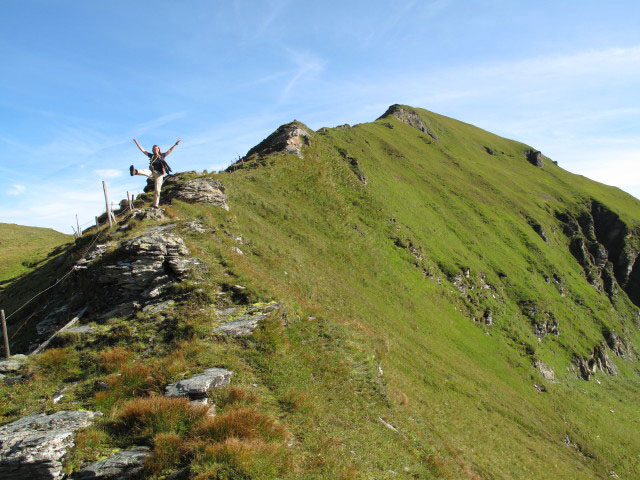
157,168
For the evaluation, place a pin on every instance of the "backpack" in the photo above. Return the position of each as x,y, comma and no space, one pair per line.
157,164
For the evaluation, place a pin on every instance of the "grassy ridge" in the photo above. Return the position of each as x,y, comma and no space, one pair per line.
24,248
471,387
380,319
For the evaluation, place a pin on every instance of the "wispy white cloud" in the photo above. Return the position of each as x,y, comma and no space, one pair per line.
158,122
307,65
108,173
16,189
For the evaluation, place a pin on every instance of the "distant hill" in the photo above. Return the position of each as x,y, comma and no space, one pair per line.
23,248
409,298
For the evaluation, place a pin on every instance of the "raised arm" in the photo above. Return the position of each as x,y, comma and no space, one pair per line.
171,149
141,149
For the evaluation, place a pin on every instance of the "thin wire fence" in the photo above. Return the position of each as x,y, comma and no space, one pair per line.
61,279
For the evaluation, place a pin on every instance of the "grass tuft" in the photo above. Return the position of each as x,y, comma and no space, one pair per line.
241,423
141,419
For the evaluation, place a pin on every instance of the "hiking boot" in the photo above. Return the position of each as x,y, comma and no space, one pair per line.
132,171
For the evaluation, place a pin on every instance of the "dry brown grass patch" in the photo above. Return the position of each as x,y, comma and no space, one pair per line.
54,361
242,423
113,359
168,450
142,418
233,396
240,459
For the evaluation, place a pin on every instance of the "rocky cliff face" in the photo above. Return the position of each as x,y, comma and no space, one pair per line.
605,247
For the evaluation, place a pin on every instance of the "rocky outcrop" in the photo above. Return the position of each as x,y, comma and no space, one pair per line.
288,138
156,214
544,322
196,388
535,225
118,278
410,117
34,446
599,359
124,465
605,247
618,345
149,262
354,165
188,187
535,158
200,190
245,324
545,370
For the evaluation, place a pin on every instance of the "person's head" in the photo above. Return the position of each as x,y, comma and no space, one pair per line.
156,150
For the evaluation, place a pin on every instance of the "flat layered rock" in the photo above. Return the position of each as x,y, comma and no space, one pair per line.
202,190
123,465
196,387
14,364
82,329
247,323
34,446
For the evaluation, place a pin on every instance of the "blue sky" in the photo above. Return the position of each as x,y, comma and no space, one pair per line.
81,79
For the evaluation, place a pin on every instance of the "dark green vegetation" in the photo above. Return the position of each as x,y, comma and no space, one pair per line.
24,248
422,299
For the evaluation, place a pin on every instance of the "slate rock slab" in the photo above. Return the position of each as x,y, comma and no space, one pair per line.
123,465
34,446
196,387
11,365
83,329
247,323
203,190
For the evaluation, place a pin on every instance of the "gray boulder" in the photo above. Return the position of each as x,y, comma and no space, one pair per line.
123,465
196,387
34,446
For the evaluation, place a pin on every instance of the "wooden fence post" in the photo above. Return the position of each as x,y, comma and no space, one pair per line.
78,225
97,223
106,201
7,353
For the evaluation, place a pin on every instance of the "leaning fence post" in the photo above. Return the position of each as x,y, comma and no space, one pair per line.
106,201
7,353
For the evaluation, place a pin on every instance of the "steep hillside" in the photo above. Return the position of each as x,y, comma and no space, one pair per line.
24,248
408,298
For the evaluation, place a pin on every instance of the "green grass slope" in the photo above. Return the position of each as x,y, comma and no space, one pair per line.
388,287
24,248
